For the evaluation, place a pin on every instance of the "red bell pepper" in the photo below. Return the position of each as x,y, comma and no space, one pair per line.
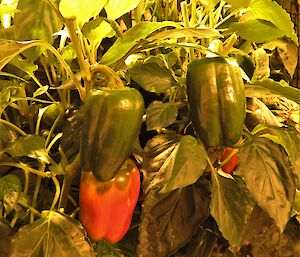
106,208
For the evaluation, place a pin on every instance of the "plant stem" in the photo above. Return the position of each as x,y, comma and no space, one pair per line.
57,192
27,206
57,120
25,167
35,195
14,127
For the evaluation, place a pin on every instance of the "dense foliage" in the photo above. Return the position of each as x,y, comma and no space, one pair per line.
195,199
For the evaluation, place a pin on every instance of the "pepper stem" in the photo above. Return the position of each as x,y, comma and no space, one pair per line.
105,76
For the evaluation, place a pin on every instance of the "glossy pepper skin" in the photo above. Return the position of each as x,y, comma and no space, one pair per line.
106,208
111,123
216,97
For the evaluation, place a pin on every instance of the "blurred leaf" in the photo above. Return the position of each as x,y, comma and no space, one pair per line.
269,179
258,31
8,185
152,77
81,10
68,53
231,207
57,169
258,111
168,220
262,69
36,20
96,30
115,8
31,146
239,3
4,9
270,88
130,38
271,11
107,250
52,235
160,115
187,166
186,32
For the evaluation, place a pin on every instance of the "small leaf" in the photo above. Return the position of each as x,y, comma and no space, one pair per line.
8,185
115,8
271,11
188,166
81,10
262,69
152,77
288,54
268,177
160,115
52,235
231,207
31,146
130,38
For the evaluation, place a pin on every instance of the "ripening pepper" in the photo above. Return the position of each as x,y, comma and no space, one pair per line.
111,123
233,162
216,96
106,208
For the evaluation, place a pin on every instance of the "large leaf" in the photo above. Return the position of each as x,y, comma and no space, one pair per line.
160,115
31,146
81,10
270,88
271,11
130,38
115,8
269,179
52,235
287,51
231,207
36,20
187,166
254,30
168,220
152,77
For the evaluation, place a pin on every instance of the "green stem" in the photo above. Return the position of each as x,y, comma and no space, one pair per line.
185,17
99,68
25,167
193,20
85,71
35,196
14,127
57,192
70,174
26,184
57,120
57,137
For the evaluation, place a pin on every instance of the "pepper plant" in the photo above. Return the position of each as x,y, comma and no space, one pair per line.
106,124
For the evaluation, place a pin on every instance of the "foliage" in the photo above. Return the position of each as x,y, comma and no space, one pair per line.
187,205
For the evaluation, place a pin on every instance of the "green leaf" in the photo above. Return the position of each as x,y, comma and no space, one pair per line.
96,30
81,10
31,146
52,235
254,30
230,206
4,9
271,11
36,20
186,32
270,88
152,77
168,220
103,248
130,38
239,3
116,8
269,179
160,115
188,165
8,185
